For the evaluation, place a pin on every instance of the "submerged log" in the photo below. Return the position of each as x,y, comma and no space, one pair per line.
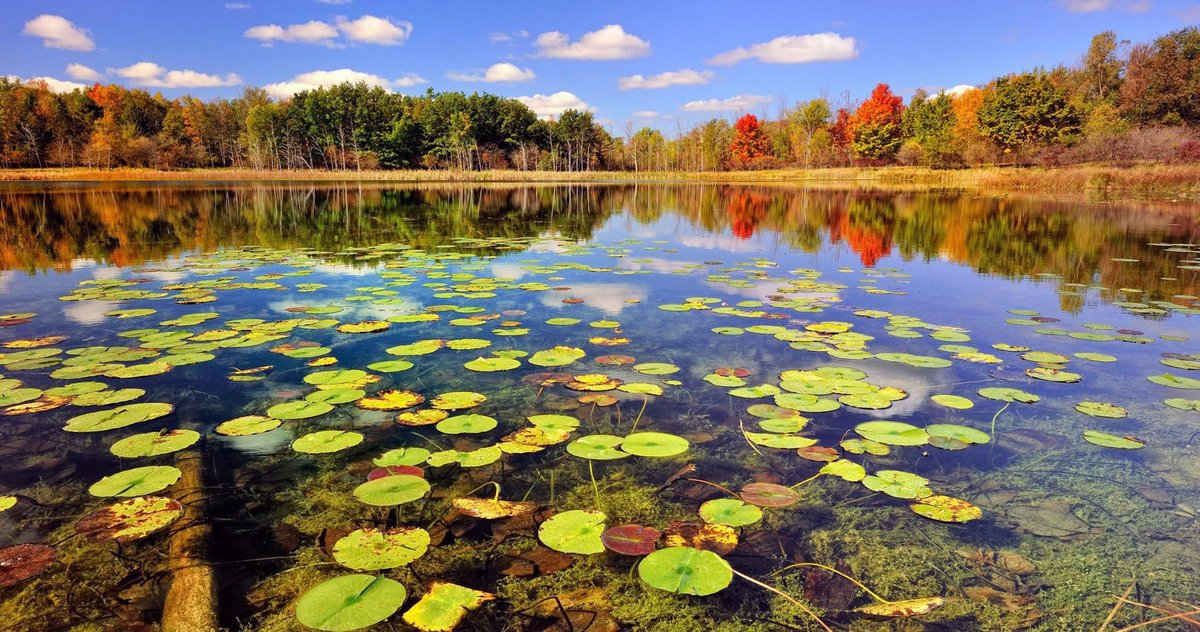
191,600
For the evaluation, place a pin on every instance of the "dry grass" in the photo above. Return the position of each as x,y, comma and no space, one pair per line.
1140,179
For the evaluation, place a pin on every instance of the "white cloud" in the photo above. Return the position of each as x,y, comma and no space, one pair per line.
409,80
147,74
56,86
1190,15
325,78
58,32
646,114
311,32
1141,6
374,30
737,103
334,1
610,42
685,77
503,72
550,105
793,49
1085,6
959,90
500,37
83,73
236,6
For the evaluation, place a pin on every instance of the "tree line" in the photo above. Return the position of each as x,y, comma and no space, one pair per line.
1118,103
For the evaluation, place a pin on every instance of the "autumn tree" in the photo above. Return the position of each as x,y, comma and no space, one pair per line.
876,126
1027,110
1162,82
750,145
929,124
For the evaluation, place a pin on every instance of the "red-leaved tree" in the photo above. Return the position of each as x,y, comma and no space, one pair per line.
749,144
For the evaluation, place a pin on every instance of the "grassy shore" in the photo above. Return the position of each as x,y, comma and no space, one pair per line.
1176,180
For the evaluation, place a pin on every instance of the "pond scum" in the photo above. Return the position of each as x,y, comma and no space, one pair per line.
534,433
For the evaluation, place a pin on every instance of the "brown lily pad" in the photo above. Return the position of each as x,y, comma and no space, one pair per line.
23,561
769,495
901,609
130,520
718,538
491,509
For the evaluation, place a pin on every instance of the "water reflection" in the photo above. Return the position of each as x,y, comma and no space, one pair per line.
59,227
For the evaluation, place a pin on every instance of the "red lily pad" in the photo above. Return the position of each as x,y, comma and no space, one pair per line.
393,470
769,495
630,539
23,561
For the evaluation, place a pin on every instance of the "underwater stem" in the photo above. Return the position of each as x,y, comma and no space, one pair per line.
595,489
711,484
639,415
993,433
808,480
835,571
790,599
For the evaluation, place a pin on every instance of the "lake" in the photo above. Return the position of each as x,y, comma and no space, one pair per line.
600,407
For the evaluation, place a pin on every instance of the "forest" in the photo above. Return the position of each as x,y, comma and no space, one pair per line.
1120,103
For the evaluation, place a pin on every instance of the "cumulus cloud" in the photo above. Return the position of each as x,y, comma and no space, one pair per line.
551,105
54,85
646,114
501,37
325,78
793,49
83,73
685,77
334,1
147,74
959,90
1190,15
311,32
737,103
607,43
236,6
374,30
503,72
56,31
1085,6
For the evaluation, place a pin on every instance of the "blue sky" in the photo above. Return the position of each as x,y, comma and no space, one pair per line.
720,57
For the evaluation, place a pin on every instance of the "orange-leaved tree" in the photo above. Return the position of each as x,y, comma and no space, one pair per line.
749,144
876,125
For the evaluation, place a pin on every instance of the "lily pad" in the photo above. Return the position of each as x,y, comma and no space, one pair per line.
902,609
769,495
1004,394
898,484
24,561
130,520
491,365
597,448
575,531
953,401
686,571
247,425
457,400
300,409
730,511
118,417
946,509
371,549
350,602
1105,440
895,433
391,400
965,434
138,481
1102,409
654,444
326,441
1175,381
467,424
392,490
154,443
444,606
630,539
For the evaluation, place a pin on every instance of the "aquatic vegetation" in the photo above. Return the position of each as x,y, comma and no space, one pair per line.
759,412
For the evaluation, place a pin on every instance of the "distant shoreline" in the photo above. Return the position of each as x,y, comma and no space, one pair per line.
1158,179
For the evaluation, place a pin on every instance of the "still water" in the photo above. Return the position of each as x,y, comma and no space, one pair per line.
651,407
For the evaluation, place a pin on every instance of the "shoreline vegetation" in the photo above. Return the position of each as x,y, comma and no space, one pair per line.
1156,179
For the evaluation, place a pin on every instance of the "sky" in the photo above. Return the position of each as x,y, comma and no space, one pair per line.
658,63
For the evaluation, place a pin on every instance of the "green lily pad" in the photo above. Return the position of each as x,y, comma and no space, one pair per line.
781,441
554,422
491,365
247,425
336,395
845,470
457,400
390,366
597,448
374,549
471,458
575,531
402,456
1004,394
1102,409
953,401
337,377
730,511
655,368
892,433
897,484
392,490
557,356
1106,440
138,481
1175,381
958,433
326,441
654,444
466,424
108,398
350,602
686,571
129,520
1183,404
1055,375
154,443
118,417
299,409
444,607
